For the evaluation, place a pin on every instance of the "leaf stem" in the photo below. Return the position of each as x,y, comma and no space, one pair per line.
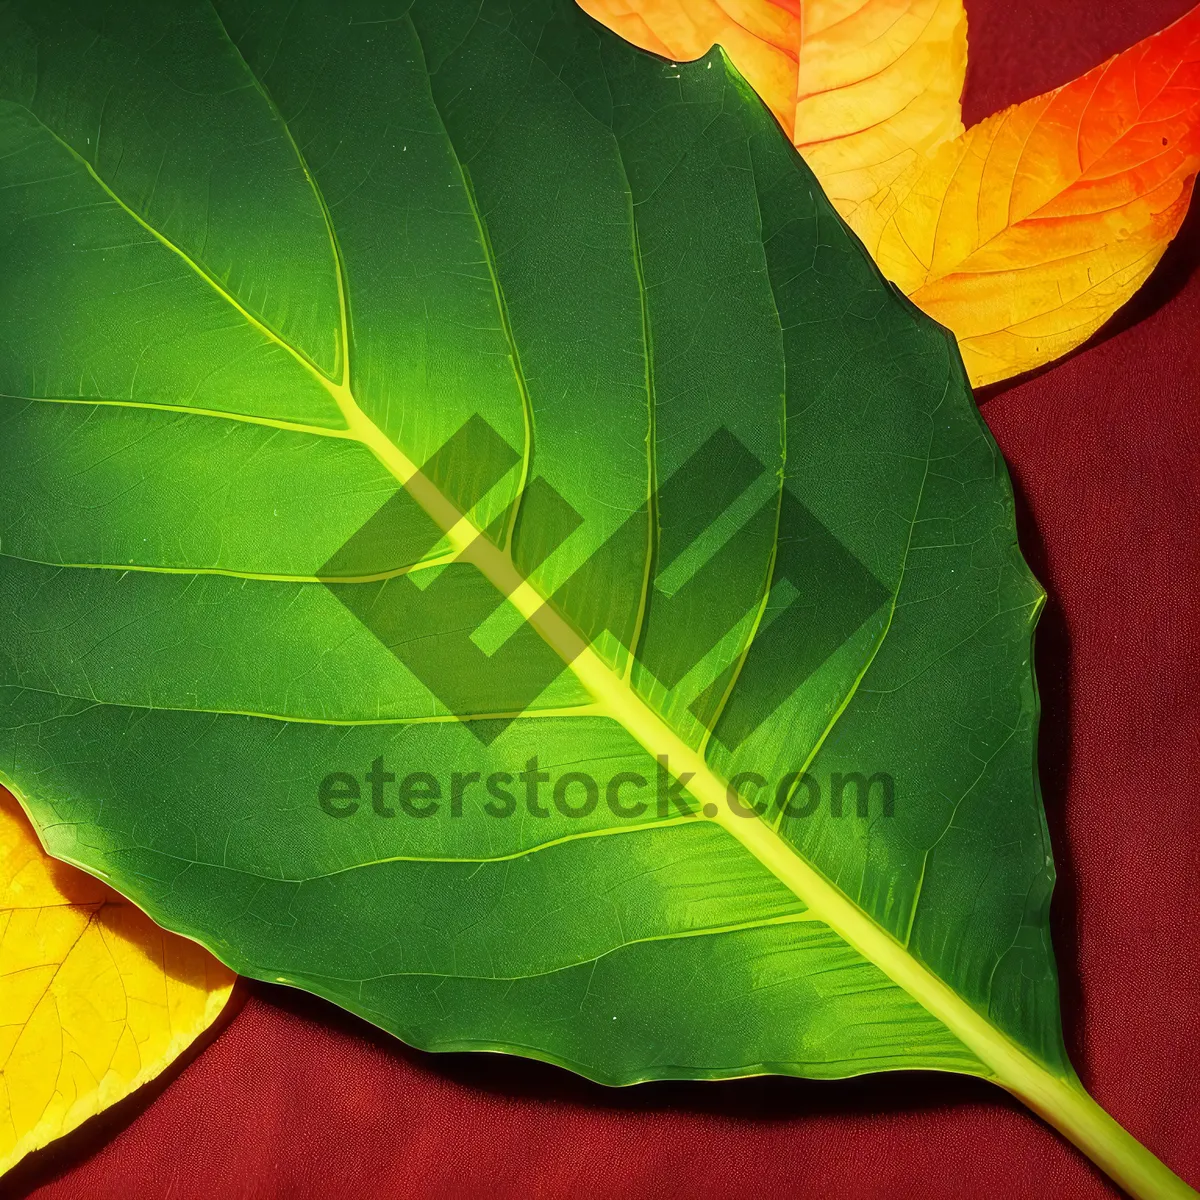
1064,1104
1059,1099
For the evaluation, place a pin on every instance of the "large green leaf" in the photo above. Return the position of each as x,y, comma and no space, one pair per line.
263,259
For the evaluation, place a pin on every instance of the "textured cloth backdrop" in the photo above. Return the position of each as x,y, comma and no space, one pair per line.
296,1100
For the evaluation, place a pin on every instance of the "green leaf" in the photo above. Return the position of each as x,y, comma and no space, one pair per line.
298,299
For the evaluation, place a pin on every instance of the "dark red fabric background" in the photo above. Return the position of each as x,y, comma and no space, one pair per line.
296,1100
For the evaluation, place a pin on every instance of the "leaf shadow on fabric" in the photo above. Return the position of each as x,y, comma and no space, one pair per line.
1178,265
752,1099
1052,659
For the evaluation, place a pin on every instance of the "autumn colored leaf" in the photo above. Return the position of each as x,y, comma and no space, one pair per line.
1027,233
96,999
863,87
1024,234
878,88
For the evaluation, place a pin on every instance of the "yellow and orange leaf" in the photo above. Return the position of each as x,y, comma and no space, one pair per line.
95,999
1024,234
1027,233
861,86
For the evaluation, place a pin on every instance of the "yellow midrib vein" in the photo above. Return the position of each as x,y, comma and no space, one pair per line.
615,698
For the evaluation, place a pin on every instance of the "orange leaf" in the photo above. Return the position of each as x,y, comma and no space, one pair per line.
1027,233
96,999
1022,235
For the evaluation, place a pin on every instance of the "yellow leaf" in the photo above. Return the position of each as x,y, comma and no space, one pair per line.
1022,235
95,998
878,88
